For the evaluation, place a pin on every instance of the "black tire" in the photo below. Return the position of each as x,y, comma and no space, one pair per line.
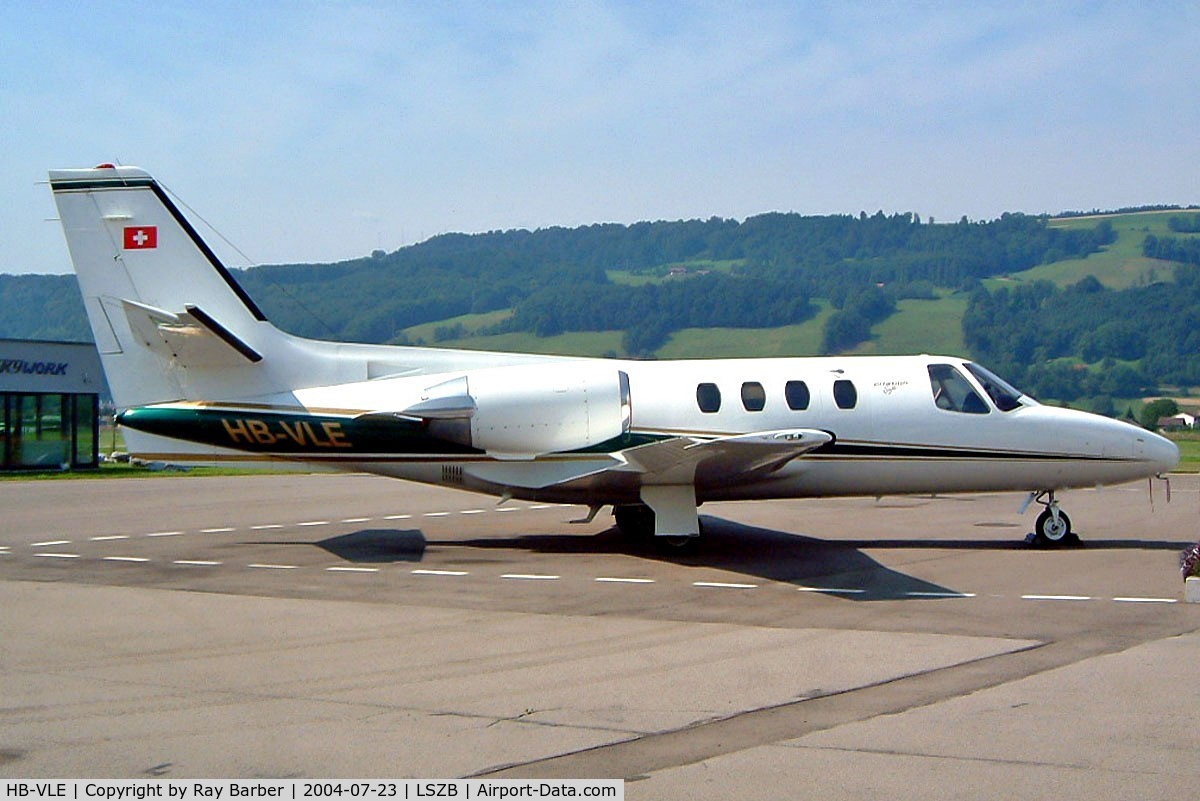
1051,534
636,521
677,546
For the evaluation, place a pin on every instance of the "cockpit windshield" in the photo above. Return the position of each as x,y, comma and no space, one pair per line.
1004,395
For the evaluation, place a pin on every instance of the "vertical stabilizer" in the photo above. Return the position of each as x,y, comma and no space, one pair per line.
169,320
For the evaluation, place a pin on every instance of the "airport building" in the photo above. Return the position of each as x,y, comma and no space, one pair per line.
50,401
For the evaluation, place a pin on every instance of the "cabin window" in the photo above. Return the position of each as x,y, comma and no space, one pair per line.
1004,395
708,398
754,397
796,393
952,392
845,395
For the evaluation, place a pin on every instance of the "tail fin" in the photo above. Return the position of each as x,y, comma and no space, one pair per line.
169,320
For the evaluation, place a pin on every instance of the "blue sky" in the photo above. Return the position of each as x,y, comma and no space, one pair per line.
319,131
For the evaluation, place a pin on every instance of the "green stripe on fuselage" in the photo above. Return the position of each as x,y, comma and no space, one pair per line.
294,434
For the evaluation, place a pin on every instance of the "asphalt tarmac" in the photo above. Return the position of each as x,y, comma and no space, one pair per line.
352,626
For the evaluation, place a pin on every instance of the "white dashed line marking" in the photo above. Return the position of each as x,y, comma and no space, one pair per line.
355,519
314,523
1134,600
471,512
915,594
5,550
834,590
397,517
509,509
543,506
436,514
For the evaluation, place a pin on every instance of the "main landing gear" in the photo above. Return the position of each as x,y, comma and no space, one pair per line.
1053,527
636,522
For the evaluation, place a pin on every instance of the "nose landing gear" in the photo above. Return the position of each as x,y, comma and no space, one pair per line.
1053,527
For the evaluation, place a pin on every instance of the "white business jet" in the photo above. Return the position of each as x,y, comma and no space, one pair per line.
200,376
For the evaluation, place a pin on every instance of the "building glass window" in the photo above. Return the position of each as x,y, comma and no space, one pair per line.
86,430
796,393
845,395
48,431
708,398
754,397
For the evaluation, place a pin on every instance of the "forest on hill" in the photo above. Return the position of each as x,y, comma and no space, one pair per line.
652,280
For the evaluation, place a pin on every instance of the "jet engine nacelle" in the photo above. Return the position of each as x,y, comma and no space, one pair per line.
526,411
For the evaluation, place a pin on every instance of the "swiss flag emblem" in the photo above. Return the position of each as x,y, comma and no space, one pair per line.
141,237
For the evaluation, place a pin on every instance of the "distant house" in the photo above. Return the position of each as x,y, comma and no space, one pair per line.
1177,422
677,271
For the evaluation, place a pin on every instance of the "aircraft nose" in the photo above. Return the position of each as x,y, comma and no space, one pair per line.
1162,452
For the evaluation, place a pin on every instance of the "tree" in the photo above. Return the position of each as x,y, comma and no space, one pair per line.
1157,409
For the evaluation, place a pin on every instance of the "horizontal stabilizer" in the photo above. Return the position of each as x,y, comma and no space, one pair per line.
188,339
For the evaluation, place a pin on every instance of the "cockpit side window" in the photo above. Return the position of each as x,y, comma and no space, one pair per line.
952,391
1004,395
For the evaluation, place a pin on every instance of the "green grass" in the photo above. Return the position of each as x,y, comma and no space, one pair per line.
1119,265
572,343
470,322
661,272
920,326
107,470
727,343
1189,451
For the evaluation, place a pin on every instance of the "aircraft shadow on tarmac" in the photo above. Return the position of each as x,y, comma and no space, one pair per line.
836,567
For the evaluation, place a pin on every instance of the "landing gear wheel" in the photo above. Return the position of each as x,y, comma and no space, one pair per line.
636,521
1054,532
677,545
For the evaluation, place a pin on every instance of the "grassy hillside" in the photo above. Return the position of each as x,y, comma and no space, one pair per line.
1119,265
723,343
471,324
656,275
575,343
918,326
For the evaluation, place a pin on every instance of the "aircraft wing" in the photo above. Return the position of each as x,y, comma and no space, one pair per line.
679,459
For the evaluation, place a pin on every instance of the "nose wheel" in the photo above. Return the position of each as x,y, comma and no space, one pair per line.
1053,526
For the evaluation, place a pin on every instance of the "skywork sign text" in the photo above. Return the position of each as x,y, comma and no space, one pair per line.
20,366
